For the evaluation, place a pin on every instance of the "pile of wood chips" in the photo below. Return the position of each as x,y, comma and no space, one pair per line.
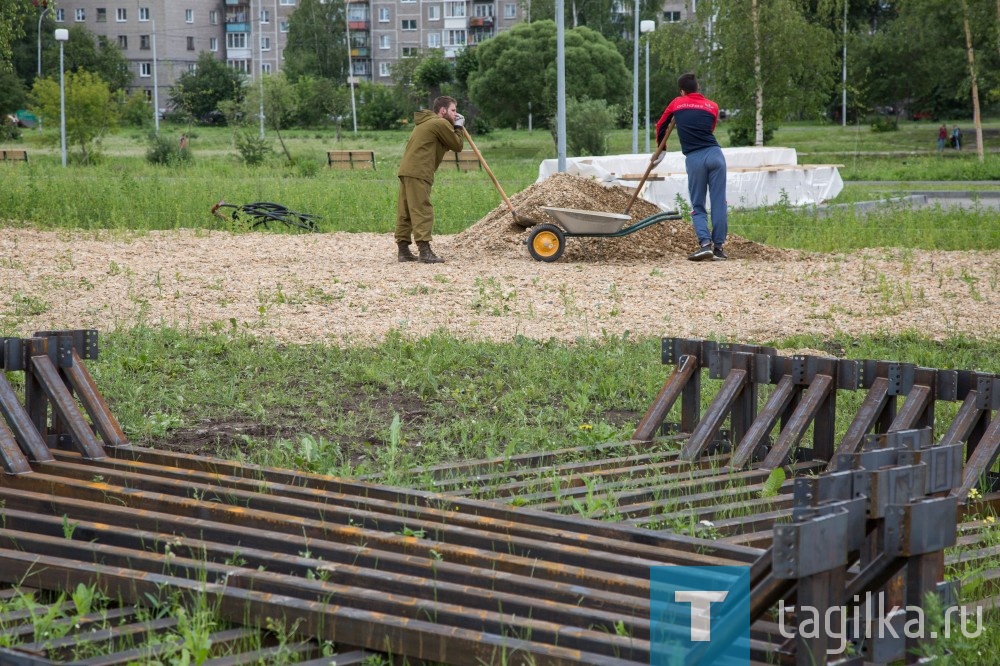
497,233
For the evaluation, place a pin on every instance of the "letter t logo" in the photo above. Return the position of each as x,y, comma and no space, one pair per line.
701,610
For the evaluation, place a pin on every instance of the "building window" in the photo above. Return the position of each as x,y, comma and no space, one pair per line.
383,14
81,15
123,42
189,16
143,13
409,52
287,3
384,69
483,11
406,1
236,40
213,44
265,43
145,69
190,43
283,26
148,94
672,17
60,15
384,41
121,15
265,67
454,10
102,15
265,16
239,65
213,17
409,24
144,42
510,10
434,40
456,38
433,13
192,67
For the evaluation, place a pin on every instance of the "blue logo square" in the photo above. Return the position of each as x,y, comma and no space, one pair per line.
699,615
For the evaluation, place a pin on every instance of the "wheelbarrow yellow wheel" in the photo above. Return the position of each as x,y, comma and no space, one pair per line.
546,242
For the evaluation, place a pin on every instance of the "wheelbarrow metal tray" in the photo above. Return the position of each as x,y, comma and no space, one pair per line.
587,221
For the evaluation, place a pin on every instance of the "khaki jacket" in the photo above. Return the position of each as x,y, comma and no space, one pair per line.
431,138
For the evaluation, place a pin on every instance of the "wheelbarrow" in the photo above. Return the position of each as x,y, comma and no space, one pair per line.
547,242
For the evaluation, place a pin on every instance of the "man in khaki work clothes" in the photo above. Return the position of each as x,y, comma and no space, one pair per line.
434,133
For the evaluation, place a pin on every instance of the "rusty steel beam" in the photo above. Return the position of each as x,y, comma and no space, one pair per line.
93,402
364,511
701,437
334,488
20,427
545,622
47,376
673,388
867,416
816,397
325,619
919,400
776,404
981,460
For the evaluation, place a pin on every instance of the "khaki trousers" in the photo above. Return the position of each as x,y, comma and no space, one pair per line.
414,213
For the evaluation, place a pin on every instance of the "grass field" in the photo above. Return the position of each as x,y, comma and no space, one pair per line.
332,410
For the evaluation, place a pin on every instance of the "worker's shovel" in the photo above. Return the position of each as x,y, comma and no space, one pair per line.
519,220
652,162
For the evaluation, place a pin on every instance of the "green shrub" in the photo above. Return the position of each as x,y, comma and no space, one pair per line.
885,124
744,136
253,148
588,126
166,151
136,111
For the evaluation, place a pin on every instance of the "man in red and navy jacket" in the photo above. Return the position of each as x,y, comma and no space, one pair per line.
695,118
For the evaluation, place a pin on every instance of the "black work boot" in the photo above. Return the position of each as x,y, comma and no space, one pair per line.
404,253
427,255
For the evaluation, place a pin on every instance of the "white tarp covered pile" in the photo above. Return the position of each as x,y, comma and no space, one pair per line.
756,177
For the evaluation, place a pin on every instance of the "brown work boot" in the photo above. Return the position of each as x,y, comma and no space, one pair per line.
404,253
427,255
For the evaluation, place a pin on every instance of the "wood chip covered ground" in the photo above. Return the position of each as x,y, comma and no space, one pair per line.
348,288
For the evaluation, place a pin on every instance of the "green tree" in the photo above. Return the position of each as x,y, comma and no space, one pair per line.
317,41
281,104
771,63
199,93
588,125
12,93
12,20
433,72
517,68
90,110
380,107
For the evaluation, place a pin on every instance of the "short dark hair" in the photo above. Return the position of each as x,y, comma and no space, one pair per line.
688,83
443,102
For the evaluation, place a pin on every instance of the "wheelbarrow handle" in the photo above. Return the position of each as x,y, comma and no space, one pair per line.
652,162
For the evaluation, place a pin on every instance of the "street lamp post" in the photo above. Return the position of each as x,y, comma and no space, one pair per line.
644,28
61,36
635,81
40,17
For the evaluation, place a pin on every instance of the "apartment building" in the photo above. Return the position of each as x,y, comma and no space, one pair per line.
162,39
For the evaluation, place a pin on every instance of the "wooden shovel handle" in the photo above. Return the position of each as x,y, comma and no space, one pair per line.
652,161
489,171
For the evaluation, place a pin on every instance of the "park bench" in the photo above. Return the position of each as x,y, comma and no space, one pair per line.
13,155
463,161
350,159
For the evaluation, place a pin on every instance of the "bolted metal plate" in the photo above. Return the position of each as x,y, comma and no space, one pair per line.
809,547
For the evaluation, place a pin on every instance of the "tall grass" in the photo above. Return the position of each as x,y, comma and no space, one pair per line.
125,192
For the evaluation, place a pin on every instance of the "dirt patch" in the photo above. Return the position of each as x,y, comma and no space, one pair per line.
497,232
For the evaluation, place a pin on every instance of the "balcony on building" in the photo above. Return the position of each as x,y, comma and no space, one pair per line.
359,25
237,27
